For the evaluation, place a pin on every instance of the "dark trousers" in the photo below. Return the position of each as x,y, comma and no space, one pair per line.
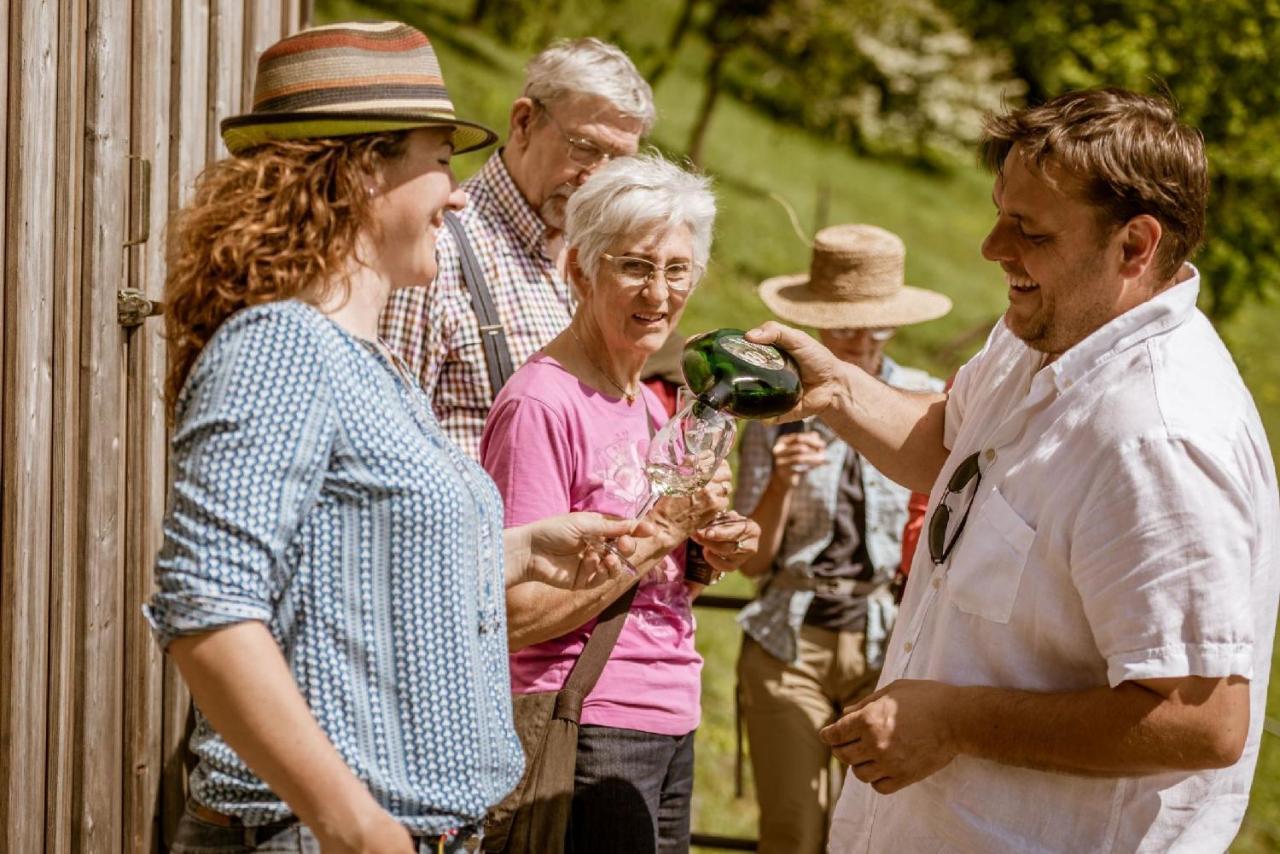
632,792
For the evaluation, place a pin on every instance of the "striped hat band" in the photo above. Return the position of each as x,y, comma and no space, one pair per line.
345,79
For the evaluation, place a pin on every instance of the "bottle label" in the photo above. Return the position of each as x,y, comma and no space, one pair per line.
760,355
696,568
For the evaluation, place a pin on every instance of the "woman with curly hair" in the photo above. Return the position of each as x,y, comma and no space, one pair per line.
331,583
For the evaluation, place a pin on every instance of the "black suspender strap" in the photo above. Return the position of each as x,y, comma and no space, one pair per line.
493,336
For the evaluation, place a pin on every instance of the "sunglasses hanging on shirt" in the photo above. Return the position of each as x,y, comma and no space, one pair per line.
940,545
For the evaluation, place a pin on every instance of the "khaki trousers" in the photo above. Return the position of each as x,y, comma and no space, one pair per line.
784,705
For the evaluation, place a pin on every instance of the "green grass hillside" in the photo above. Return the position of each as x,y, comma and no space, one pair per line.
942,219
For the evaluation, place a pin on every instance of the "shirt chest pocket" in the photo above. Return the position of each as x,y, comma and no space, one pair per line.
986,566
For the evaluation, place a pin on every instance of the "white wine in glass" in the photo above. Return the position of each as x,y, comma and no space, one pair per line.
683,456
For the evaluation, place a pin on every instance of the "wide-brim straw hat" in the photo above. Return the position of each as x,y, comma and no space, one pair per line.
346,79
856,280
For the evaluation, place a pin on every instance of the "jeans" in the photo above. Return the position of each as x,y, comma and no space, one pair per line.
197,836
632,792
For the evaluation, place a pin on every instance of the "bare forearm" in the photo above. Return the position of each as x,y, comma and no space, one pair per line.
241,683
537,612
771,515
899,432
1122,731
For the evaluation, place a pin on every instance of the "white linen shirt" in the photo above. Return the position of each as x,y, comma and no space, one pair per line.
1124,528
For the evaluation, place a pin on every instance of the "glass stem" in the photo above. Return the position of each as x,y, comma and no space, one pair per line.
649,502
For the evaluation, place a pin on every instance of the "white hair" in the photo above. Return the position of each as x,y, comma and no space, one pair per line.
631,194
589,66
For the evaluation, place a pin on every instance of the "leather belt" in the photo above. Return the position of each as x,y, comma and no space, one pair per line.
205,814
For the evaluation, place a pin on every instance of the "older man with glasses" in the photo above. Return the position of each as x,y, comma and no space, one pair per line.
1082,655
831,528
502,291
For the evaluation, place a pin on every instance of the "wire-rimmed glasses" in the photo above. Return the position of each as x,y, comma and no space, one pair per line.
679,276
582,151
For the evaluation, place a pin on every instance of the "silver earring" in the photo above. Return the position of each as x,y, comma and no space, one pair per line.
370,189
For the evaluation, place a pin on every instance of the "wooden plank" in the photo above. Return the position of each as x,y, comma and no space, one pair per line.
177,707
144,481
262,28
296,15
226,32
188,118
4,138
68,140
99,774
188,98
290,16
32,31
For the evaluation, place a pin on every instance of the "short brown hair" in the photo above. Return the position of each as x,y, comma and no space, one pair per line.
1130,152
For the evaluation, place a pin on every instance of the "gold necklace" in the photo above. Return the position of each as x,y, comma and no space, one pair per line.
629,395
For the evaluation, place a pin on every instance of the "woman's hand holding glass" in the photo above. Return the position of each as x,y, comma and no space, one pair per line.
681,515
566,551
729,541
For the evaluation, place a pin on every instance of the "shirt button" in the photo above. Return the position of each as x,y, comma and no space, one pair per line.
990,455
908,646
937,582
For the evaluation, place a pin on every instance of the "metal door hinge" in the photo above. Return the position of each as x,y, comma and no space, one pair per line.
133,307
140,192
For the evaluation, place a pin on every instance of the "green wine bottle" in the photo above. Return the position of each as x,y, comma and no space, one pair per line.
729,373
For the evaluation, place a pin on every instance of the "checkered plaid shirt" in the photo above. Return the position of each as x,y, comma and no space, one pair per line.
434,329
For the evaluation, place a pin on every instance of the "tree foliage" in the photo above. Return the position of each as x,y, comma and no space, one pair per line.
892,77
1219,61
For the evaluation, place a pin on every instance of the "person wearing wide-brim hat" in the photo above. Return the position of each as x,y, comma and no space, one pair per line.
831,537
331,582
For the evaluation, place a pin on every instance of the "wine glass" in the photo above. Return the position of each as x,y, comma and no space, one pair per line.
684,455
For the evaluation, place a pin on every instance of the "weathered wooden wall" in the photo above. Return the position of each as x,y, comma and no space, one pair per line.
111,110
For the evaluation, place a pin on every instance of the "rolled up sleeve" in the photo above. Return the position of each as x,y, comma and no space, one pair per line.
1162,561
248,457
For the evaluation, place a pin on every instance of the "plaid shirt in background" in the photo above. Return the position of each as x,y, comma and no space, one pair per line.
434,329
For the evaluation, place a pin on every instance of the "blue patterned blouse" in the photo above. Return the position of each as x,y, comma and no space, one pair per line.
314,491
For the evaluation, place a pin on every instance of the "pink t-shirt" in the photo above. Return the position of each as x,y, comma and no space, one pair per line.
554,445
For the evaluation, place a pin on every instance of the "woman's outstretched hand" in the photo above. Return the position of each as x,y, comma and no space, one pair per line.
567,551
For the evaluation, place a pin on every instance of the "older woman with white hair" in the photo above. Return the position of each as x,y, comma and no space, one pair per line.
639,235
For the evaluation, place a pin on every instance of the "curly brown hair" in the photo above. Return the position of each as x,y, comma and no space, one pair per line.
280,221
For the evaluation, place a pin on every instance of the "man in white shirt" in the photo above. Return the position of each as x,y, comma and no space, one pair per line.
1082,655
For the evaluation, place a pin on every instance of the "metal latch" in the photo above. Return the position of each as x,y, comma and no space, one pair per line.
133,307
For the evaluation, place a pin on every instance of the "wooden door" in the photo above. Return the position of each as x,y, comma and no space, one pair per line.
112,111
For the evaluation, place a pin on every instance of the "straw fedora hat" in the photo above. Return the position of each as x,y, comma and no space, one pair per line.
855,280
346,79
